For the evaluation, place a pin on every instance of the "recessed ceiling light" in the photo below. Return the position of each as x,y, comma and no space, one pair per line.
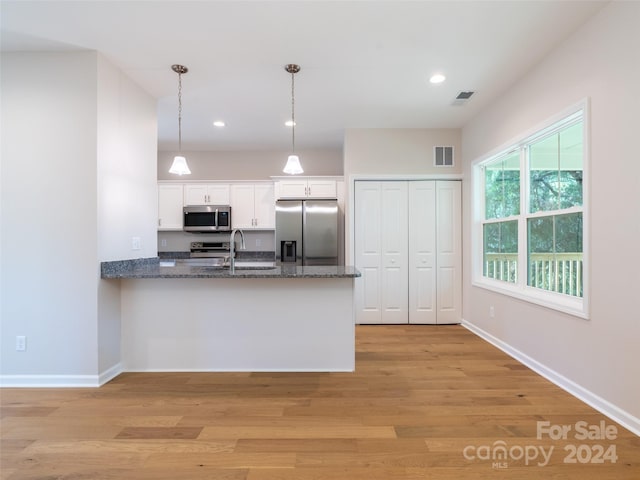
437,78
289,123
219,123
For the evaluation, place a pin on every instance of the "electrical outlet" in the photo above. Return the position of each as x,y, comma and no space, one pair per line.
258,242
135,243
492,312
21,343
163,242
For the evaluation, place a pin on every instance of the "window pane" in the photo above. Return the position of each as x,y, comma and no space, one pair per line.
555,253
502,186
501,251
555,170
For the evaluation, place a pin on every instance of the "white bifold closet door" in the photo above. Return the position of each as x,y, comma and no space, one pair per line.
381,218
435,263
408,249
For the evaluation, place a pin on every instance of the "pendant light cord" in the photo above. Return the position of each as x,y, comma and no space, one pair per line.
180,112
293,114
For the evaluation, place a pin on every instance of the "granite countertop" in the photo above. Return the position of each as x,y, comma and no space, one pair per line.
155,268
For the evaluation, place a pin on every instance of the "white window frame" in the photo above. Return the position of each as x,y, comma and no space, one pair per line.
564,303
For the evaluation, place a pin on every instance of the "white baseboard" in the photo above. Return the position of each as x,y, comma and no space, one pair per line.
615,413
110,374
60,381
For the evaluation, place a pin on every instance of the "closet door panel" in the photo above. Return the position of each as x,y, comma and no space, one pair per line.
394,228
449,246
368,255
422,252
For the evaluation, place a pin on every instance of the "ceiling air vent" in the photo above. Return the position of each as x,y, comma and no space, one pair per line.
443,156
462,98
464,95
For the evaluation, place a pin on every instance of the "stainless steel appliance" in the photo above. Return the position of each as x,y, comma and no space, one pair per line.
206,218
210,249
307,232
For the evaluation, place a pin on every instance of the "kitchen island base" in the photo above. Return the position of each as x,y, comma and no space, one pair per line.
244,324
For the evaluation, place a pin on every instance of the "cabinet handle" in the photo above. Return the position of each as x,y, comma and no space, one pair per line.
159,222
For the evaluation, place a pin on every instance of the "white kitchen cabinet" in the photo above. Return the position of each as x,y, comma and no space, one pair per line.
206,194
170,198
307,188
408,249
253,206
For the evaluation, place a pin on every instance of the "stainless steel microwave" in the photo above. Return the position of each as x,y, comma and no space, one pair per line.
206,218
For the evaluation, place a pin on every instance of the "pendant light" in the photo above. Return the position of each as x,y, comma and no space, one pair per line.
179,165
293,162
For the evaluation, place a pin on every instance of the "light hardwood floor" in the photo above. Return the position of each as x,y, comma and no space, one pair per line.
421,398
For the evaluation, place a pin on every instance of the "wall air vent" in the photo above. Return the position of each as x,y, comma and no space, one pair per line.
443,156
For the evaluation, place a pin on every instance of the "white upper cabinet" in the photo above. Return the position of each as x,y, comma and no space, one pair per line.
308,187
265,206
170,198
253,206
206,194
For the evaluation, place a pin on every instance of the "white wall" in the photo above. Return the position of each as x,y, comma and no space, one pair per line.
49,238
126,191
398,151
127,166
599,355
249,165
59,214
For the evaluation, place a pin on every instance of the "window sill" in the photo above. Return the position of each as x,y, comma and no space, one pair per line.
554,301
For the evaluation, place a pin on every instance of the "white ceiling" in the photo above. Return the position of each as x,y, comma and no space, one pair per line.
365,64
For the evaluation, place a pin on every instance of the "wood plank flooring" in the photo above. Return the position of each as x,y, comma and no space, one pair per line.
425,402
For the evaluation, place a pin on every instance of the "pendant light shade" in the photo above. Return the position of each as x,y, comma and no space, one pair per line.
293,166
179,165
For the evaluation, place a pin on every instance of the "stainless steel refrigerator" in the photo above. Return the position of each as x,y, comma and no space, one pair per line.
307,232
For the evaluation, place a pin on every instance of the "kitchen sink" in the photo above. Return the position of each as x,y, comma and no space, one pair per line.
216,262
255,265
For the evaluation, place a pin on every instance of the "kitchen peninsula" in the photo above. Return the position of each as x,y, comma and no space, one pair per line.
182,317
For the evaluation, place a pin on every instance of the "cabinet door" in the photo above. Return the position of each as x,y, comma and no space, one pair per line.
242,205
265,206
218,194
292,188
422,252
170,207
214,194
449,251
195,194
321,189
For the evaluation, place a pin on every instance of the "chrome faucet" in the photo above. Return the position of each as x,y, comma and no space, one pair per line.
232,247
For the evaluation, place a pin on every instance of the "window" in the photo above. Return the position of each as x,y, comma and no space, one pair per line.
530,224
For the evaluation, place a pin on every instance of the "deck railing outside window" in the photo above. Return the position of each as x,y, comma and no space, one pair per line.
556,272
